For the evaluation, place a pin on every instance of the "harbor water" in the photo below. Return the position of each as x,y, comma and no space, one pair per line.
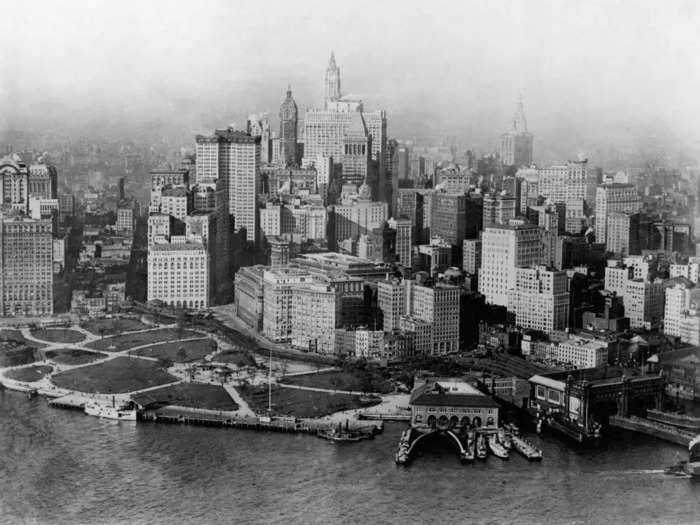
61,466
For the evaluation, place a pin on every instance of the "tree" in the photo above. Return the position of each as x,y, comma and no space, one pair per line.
180,323
182,354
165,363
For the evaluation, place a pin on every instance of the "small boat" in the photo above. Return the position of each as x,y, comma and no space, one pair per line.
526,448
125,412
504,439
481,448
496,448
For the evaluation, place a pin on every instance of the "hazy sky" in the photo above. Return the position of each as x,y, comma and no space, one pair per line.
596,70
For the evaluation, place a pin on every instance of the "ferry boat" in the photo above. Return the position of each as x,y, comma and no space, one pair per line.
125,412
481,448
496,448
526,448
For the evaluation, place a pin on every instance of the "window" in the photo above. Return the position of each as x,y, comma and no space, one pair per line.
540,392
554,396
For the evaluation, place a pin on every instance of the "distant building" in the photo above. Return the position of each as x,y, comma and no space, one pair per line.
498,209
516,145
404,240
288,130
611,198
248,296
471,255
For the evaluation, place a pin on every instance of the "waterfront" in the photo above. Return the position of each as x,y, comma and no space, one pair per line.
64,467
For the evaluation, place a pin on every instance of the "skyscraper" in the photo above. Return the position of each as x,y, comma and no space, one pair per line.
229,160
503,249
613,198
26,269
516,145
331,87
288,129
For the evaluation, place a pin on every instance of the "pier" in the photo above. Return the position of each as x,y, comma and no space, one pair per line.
192,416
654,429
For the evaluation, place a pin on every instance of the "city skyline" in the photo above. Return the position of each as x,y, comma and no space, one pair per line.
601,86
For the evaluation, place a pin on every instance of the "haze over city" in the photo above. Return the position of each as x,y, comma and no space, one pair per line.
603,80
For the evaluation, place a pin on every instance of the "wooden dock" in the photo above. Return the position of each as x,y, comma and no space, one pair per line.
202,417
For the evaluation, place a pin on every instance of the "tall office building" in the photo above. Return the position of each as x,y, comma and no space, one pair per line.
613,198
471,255
14,184
26,265
288,129
358,217
315,314
42,181
178,274
516,145
498,209
230,161
622,231
572,183
540,300
439,306
352,137
404,243
644,303
331,86
391,300
503,250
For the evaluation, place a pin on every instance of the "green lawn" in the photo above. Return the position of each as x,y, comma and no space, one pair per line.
73,356
17,356
195,395
299,403
119,375
235,357
126,341
58,335
179,351
29,373
15,336
113,326
356,381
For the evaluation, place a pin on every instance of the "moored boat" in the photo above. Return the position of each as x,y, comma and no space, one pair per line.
496,448
526,448
125,412
481,448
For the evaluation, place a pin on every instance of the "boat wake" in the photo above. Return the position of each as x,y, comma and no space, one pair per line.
630,472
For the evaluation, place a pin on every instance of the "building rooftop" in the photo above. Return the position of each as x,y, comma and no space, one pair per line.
185,246
450,392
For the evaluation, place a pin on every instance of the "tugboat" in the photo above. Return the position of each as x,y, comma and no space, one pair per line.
496,448
527,449
339,434
125,412
482,450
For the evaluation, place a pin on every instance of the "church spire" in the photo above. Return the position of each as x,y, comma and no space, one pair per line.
331,62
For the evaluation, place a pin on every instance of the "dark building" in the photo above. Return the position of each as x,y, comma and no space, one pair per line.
288,130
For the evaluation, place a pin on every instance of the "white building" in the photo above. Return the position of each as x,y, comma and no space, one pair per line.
315,314
580,352
178,275
613,198
503,249
540,300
